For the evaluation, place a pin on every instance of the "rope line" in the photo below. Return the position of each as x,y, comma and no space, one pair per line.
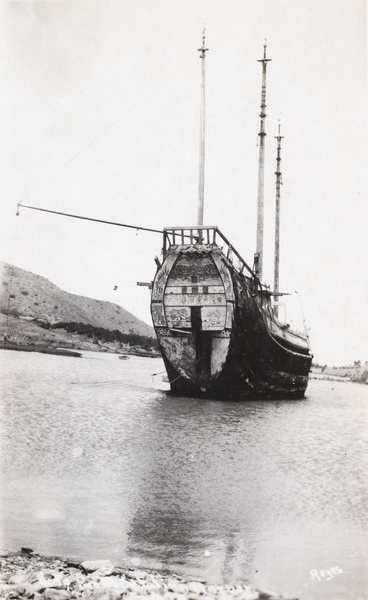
55,212
175,379
99,135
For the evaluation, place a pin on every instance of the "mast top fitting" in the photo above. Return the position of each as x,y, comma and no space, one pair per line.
279,136
264,59
203,49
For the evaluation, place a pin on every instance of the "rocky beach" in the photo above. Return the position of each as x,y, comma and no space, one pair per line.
25,574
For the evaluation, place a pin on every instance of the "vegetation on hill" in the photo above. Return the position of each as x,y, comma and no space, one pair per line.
104,335
25,294
35,311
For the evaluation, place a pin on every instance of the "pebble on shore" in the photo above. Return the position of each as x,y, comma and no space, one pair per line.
28,575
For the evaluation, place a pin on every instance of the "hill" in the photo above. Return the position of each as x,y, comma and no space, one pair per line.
38,311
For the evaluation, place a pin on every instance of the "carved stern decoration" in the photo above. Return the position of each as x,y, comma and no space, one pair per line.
192,312
215,325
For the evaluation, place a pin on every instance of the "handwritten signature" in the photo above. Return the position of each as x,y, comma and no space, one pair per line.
326,575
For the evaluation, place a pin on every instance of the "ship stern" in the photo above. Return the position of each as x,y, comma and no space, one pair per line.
192,308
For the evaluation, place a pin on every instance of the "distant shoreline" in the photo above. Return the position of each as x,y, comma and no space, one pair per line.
41,349
78,353
338,378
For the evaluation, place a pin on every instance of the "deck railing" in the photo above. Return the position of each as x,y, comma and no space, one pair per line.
206,235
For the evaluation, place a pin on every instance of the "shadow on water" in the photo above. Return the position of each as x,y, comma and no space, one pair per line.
201,496
238,491
236,395
100,462
170,525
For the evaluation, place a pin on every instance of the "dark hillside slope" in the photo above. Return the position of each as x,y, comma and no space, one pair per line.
36,305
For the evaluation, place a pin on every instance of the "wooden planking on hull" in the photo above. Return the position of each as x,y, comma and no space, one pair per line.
227,339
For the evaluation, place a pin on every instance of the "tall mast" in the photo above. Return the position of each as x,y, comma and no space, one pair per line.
260,204
279,137
202,56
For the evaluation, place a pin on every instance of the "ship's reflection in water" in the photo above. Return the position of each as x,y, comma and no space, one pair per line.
192,508
99,462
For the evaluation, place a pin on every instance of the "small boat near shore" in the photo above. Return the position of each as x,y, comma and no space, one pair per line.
216,322
8,345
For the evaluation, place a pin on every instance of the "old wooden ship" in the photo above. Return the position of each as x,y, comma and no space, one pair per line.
216,322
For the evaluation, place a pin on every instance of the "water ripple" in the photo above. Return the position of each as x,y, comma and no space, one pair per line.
100,462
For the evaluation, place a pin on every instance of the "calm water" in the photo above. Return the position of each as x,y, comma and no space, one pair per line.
99,462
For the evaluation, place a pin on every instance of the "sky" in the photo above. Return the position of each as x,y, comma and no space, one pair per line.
99,110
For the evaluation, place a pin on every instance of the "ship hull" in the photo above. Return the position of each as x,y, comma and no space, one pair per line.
218,336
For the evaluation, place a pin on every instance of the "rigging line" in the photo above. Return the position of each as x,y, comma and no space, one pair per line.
9,296
302,311
178,179
13,246
55,212
94,140
104,131
175,379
